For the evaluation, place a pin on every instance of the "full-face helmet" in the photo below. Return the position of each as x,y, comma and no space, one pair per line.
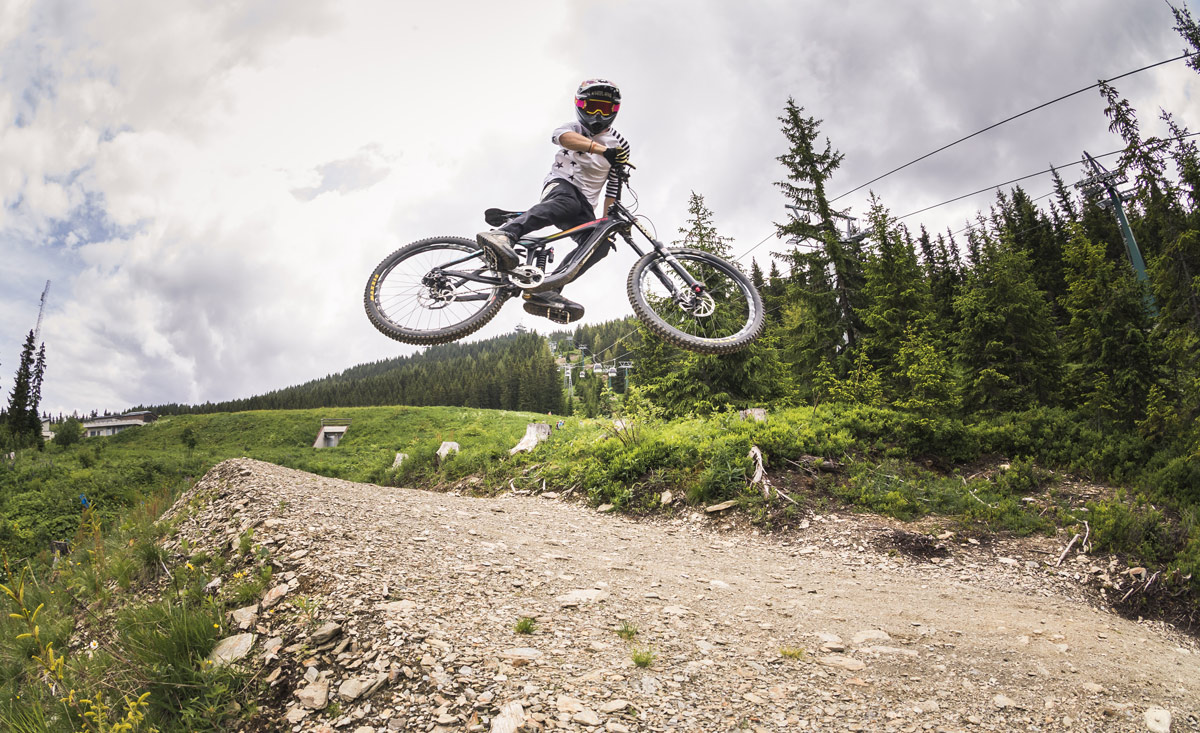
596,104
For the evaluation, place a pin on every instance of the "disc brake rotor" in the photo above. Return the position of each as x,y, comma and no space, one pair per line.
697,305
437,293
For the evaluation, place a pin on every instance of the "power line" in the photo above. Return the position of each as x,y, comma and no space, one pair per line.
1039,173
995,186
1009,119
735,259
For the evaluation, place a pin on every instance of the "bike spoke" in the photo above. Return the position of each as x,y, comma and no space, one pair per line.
721,311
407,301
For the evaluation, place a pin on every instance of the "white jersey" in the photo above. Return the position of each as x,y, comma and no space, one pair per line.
589,172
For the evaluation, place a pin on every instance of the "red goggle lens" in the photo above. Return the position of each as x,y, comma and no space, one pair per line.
602,107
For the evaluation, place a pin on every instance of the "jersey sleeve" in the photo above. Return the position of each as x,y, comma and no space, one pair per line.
565,127
613,189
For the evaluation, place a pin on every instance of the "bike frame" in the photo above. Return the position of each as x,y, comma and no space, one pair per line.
620,221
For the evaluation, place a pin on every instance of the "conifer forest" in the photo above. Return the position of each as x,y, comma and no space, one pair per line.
1061,329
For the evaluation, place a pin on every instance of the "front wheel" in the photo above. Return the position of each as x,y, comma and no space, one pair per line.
433,291
724,315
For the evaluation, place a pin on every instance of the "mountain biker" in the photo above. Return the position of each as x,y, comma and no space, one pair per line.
586,161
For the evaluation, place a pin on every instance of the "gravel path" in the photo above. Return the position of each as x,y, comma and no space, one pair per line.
823,628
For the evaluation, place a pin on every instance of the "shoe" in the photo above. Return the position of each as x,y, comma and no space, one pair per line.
554,306
498,243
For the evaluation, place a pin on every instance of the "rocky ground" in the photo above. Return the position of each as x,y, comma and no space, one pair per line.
402,610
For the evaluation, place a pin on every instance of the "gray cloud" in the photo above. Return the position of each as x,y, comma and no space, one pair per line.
208,185
361,171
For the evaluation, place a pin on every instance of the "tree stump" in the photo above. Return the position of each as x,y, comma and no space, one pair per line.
535,432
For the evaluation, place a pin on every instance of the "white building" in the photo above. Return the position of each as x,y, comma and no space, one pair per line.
113,424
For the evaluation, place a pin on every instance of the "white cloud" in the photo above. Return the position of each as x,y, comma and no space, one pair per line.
209,185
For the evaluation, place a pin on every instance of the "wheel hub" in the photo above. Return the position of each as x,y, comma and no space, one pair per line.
698,305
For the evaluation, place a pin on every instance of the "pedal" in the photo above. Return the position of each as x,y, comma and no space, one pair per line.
558,316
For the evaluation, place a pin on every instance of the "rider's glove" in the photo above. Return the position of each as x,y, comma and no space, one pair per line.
616,155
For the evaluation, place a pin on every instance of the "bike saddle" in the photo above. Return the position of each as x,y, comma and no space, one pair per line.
497,217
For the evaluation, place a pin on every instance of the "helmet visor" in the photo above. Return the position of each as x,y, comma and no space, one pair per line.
602,107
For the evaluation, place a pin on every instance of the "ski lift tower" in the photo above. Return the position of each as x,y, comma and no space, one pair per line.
1101,181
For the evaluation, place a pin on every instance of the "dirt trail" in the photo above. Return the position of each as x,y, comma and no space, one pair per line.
813,629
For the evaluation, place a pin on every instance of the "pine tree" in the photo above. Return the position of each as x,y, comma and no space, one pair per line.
683,382
1111,361
24,427
808,172
1006,343
896,293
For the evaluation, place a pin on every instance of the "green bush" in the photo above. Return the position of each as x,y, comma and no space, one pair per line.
1132,528
68,433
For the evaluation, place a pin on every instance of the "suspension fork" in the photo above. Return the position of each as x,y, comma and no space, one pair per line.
695,286
660,249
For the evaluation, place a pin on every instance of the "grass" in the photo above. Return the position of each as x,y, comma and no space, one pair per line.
525,625
309,608
792,652
893,465
145,669
642,656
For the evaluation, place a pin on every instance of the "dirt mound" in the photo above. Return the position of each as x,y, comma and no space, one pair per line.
395,609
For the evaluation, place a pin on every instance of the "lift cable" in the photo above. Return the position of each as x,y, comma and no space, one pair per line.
1010,119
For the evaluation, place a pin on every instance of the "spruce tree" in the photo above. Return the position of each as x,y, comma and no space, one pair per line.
24,427
1111,360
1154,218
808,172
896,293
1006,344
774,294
683,382
1188,28
700,233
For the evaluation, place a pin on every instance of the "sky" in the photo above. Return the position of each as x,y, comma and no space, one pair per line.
208,185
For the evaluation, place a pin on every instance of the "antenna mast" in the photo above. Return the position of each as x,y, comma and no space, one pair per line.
37,331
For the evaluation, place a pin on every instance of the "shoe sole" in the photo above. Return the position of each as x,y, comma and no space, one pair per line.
558,315
496,259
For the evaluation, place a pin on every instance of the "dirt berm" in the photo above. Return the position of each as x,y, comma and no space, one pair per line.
686,622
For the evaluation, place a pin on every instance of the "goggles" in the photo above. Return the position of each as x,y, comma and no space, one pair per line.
602,107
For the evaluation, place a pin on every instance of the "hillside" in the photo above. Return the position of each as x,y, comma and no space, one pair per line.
490,373
985,515
395,609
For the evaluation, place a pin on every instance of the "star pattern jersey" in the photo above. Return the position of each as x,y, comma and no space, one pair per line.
589,172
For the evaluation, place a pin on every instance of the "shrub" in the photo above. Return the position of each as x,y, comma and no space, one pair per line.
68,433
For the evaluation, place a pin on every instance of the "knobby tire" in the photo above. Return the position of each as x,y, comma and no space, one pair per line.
738,318
402,308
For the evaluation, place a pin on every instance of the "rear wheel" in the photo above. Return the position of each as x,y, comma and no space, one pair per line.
725,316
433,291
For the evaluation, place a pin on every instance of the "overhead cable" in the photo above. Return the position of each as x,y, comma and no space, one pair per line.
1009,119
1039,173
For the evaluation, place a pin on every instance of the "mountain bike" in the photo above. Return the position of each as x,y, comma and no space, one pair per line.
441,289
